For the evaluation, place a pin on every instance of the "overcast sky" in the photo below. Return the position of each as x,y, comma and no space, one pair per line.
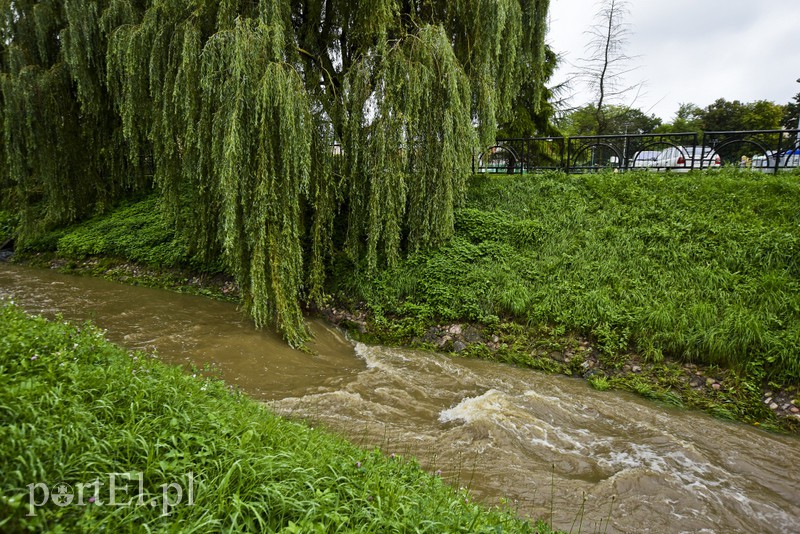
692,50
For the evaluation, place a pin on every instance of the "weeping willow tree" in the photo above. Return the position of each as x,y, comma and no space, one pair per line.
408,161
411,89
41,128
263,125
62,146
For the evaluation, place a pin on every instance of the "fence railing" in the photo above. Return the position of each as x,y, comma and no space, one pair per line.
762,150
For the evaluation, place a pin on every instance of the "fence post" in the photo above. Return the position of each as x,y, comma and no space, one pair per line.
694,151
778,154
569,155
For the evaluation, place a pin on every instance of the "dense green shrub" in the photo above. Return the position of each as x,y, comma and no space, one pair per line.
137,232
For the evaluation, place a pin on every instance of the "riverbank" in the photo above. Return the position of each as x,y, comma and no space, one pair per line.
683,289
78,409
723,393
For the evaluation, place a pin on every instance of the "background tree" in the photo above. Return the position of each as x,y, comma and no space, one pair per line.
229,110
724,115
619,120
790,113
606,66
533,110
688,118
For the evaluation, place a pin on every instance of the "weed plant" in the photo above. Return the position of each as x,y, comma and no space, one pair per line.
136,232
704,267
74,408
8,223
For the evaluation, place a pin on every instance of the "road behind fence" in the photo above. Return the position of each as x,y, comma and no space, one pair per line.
766,151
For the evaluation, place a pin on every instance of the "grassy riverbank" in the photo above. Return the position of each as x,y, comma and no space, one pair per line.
683,288
704,267
75,408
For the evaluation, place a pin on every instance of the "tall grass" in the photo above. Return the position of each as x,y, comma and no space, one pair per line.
75,408
704,266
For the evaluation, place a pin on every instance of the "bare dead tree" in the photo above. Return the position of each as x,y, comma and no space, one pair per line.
606,64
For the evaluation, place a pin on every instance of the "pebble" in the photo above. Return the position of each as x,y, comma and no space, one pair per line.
794,409
636,369
716,385
773,406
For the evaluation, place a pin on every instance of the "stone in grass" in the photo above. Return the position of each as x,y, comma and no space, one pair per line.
471,334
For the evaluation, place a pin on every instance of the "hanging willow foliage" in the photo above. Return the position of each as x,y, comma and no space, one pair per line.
266,129
38,114
63,149
264,125
406,169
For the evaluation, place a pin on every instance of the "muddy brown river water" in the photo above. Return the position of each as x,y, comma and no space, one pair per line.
546,444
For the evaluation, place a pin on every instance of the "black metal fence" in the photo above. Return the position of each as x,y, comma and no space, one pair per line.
522,155
767,151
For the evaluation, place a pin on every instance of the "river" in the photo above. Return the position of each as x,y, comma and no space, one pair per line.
551,446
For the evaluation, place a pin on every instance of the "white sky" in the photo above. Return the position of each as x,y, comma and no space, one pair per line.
692,50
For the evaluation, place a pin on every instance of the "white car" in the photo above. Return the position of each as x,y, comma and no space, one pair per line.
644,158
686,158
789,159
